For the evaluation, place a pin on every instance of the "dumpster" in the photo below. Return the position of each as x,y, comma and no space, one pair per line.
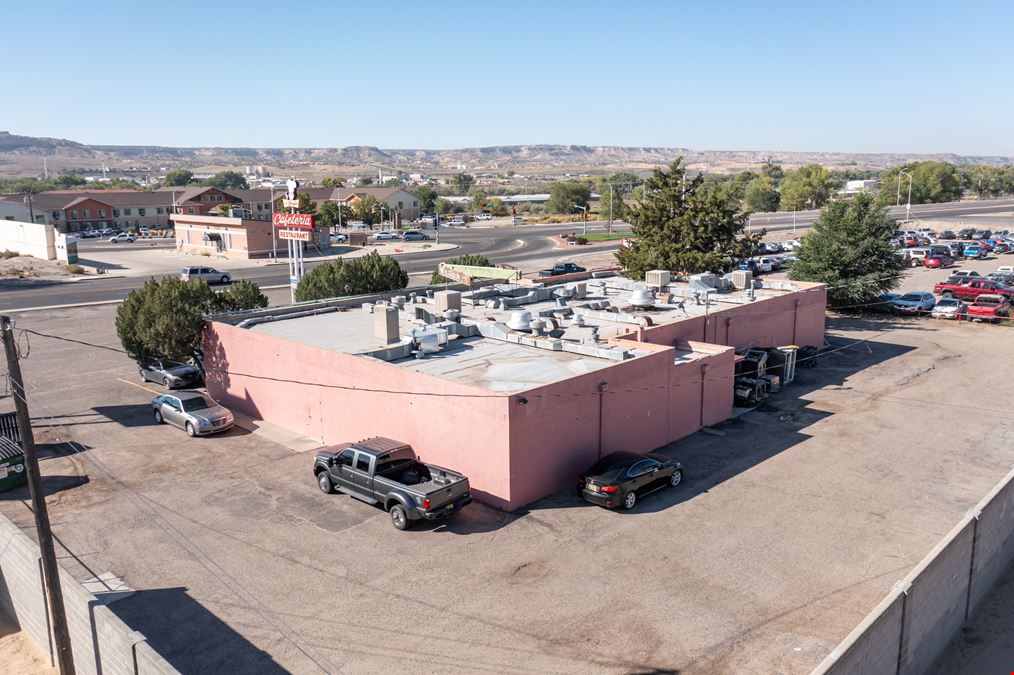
12,465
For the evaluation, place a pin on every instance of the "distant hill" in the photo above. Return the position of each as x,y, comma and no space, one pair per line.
22,154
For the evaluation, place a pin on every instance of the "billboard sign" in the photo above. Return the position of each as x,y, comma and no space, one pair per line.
292,220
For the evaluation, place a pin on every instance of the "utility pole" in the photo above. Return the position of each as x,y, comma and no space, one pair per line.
51,572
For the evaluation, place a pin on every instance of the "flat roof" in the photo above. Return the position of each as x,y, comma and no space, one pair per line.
575,337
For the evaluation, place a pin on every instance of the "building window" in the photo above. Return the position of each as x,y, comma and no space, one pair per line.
116,213
85,213
140,212
56,215
190,210
73,215
126,212
400,206
260,207
102,213
415,204
158,210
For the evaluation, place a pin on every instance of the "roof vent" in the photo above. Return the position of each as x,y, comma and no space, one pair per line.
642,298
520,321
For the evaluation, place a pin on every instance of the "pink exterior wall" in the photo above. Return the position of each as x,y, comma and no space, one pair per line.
468,434
648,402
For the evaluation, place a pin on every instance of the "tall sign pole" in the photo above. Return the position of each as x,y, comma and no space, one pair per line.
50,570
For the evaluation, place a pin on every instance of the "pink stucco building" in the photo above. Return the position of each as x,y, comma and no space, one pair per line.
518,387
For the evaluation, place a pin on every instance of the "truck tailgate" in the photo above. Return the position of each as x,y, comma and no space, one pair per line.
440,493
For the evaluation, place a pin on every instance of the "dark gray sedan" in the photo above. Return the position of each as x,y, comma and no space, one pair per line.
192,411
170,374
621,478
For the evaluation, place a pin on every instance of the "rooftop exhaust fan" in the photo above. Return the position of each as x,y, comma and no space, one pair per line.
642,298
520,321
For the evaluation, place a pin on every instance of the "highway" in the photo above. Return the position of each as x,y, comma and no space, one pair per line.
502,245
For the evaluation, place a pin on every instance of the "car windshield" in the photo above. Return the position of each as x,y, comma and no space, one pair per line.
915,297
948,302
196,403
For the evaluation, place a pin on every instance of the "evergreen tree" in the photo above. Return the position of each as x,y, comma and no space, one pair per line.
371,273
849,248
685,226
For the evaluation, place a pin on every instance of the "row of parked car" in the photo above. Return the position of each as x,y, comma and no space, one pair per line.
966,295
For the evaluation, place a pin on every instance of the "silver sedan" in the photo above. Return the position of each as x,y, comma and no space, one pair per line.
191,411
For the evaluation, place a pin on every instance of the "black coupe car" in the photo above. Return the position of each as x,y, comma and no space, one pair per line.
620,478
172,375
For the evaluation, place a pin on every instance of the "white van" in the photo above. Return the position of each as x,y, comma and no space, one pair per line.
1005,269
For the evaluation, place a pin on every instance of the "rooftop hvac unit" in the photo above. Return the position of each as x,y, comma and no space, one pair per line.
657,278
705,278
642,298
742,279
429,340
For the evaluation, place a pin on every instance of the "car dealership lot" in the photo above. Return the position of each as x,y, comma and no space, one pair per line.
784,533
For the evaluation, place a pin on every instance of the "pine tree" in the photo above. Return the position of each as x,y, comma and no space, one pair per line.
685,226
849,248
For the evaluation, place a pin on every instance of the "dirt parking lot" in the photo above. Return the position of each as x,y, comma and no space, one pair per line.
786,531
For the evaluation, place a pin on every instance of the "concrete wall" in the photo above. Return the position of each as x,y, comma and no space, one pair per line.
101,643
906,632
36,240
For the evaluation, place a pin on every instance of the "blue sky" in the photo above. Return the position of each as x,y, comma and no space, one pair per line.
845,76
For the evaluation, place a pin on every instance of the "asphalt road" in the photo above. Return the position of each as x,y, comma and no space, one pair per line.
510,245
776,222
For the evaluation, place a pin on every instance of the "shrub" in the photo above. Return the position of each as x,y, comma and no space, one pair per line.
581,241
75,269
371,273
6,255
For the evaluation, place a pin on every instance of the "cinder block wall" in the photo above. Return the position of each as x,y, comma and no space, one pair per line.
907,631
101,643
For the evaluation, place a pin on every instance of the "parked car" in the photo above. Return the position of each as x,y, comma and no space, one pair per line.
456,222
989,307
917,256
909,241
339,238
885,302
519,219
975,251
484,216
949,308
966,273
122,237
1005,278
966,233
386,472
948,234
763,264
621,478
938,261
772,247
209,274
972,289
415,235
561,268
1005,269
917,302
192,411
791,244
979,235
384,234
171,375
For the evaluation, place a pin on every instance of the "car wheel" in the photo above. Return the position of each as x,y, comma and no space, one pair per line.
399,518
915,263
630,500
191,431
158,417
144,378
947,294
166,382
324,483
676,478
225,280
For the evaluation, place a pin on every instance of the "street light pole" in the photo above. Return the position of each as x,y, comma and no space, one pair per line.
31,210
609,227
274,236
908,205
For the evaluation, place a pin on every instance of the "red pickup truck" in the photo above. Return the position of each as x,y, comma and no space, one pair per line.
988,307
973,288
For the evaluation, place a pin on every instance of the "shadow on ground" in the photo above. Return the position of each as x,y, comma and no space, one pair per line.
51,485
133,415
189,636
743,442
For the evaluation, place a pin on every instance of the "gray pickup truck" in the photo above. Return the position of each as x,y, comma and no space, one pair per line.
386,472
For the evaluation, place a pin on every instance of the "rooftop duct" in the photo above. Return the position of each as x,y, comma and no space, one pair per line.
520,321
642,298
